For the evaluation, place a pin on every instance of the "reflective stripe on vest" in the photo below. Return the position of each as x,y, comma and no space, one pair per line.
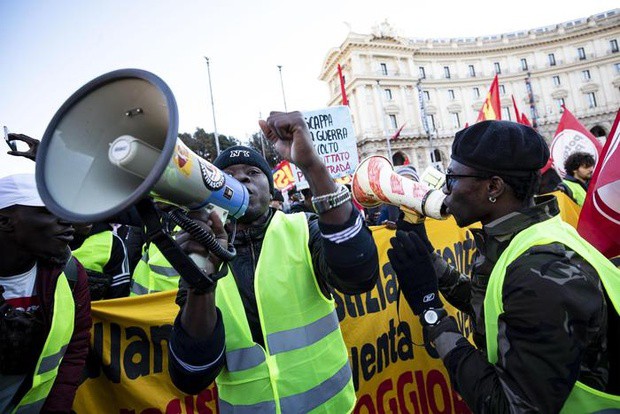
302,402
53,351
153,274
95,252
582,399
579,194
301,332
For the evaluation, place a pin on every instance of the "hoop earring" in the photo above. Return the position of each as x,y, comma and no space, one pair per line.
492,199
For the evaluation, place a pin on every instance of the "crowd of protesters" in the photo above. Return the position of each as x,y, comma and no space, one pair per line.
540,296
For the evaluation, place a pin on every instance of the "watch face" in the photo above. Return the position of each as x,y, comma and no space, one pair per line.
431,317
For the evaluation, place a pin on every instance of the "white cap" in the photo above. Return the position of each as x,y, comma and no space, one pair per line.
19,189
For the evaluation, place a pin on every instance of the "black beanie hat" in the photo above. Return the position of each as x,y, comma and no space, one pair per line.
240,154
501,147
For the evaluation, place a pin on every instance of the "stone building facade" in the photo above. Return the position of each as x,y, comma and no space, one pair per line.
392,81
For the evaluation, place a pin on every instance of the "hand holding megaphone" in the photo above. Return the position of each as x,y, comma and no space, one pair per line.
208,222
375,182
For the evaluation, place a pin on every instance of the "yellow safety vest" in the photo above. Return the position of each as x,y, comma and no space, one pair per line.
95,252
303,366
53,351
153,273
582,399
579,194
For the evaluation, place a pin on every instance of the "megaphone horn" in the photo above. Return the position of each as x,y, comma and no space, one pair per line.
375,182
114,142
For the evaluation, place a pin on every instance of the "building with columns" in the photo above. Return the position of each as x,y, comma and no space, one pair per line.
393,81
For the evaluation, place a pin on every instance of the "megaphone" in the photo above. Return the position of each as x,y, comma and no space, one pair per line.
114,142
375,182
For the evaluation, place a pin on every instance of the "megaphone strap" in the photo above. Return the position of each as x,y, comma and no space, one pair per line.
172,252
201,236
423,202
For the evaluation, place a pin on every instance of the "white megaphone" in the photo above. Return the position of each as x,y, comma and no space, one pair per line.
375,182
113,142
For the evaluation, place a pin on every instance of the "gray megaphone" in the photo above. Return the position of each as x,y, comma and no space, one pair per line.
114,142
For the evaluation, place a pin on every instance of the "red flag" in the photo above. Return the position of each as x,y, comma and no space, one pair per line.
491,108
571,137
599,221
345,101
397,134
524,120
517,115
521,117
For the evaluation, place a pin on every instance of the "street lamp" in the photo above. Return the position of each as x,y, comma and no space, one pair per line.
217,139
282,85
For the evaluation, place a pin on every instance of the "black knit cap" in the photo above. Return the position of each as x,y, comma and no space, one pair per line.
240,154
501,147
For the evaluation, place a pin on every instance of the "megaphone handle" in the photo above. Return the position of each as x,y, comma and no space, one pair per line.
203,237
171,251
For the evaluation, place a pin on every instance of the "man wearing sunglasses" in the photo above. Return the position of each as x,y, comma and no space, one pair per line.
537,293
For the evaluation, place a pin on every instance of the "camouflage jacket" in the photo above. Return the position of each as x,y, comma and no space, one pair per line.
552,332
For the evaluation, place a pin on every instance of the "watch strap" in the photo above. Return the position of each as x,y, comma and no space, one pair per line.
440,314
326,202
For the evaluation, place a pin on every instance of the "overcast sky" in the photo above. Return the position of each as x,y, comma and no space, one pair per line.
48,49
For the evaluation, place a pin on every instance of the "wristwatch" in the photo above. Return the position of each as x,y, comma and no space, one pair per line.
432,316
326,202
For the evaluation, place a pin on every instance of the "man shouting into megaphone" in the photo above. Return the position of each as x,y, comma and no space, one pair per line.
268,333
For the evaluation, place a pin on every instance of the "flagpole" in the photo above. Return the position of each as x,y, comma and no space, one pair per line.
262,138
387,138
216,136
532,100
427,128
282,85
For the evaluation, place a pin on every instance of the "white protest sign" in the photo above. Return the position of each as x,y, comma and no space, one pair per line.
334,140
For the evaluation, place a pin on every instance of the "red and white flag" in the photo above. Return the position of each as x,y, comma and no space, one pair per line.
571,136
599,221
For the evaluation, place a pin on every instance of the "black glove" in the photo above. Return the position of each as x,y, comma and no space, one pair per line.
419,229
414,269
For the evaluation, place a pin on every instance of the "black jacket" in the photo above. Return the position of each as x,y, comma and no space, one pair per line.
553,330
351,267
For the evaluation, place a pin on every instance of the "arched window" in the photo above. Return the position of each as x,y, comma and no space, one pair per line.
598,131
399,159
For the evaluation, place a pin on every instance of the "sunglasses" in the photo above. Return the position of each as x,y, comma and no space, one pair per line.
452,178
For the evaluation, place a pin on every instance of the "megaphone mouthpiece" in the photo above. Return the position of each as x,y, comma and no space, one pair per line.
133,155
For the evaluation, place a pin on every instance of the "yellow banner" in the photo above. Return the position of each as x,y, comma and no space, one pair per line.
392,369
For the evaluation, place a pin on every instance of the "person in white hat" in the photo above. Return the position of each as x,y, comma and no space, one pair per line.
44,304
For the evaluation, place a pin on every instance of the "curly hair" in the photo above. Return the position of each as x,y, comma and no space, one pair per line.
576,160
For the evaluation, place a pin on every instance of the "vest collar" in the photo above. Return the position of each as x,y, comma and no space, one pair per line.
497,235
254,232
